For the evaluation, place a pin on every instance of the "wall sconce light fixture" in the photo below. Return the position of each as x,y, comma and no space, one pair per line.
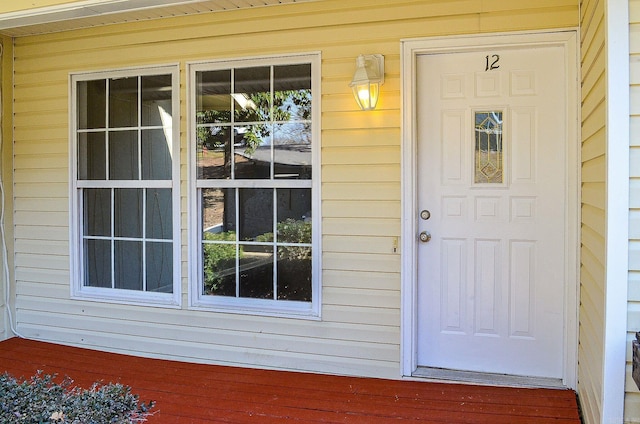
367,79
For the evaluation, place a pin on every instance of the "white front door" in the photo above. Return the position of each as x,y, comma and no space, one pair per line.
491,199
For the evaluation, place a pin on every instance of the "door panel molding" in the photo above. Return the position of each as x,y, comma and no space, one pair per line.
410,49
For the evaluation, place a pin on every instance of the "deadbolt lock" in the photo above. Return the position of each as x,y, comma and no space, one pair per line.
425,214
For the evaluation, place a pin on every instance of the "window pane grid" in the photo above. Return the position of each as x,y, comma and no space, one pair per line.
113,240
252,141
247,251
124,139
253,182
136,126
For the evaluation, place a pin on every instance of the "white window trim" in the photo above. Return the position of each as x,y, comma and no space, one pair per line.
109,295
263,307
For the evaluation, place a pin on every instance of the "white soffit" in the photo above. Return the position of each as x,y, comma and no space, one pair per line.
88,13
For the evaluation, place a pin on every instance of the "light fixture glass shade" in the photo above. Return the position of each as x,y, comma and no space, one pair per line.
366,95
367,79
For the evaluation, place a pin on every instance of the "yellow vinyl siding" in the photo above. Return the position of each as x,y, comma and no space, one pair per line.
359,332
6,172
632,397
592,252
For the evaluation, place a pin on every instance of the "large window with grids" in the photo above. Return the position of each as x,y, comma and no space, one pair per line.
124,179
254,195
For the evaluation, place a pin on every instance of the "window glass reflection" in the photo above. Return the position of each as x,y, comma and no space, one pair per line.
255,212
91,104
256,272
252,94
292,151
156,154
123,155
128,265
97,263
292,92
156,100
128,212
123,102
159,216
253,152
97,212
213,97
159,267
92,156
219,249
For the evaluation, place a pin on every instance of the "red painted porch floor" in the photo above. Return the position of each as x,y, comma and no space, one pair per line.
197,394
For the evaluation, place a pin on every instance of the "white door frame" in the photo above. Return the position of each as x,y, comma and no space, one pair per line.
410,49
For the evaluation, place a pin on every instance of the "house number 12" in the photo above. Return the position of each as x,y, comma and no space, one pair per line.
492,62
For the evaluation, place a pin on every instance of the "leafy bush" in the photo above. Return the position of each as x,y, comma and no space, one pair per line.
291,231
40,400
216,257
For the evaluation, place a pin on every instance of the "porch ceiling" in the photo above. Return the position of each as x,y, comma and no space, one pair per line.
90,13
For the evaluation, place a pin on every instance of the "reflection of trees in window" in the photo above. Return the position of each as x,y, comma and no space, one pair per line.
254,131
288,105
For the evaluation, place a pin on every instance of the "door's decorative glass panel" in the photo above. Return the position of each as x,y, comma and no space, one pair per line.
489,148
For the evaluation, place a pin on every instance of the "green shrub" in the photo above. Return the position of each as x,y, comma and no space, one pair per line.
40,400
291,231
216,257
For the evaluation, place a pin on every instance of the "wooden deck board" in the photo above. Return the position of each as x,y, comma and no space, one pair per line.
196,393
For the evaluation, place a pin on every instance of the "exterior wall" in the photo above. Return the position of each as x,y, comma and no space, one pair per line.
632,399
605,213
360,328
593,228
6,170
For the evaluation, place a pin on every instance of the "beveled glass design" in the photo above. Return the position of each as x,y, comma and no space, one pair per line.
489,148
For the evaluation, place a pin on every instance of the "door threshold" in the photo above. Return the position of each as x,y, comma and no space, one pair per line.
482,378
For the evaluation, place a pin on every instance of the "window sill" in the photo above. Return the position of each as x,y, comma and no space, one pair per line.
127,297
259,307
